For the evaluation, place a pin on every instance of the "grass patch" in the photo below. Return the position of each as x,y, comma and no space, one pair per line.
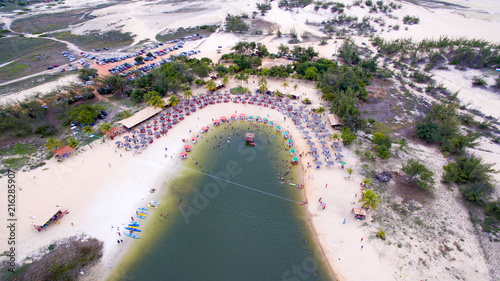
50,22
15,163
114,38
36,53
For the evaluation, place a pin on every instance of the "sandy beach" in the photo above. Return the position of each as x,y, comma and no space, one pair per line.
102,186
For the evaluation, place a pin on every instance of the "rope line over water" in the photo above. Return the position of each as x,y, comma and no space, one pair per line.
244,186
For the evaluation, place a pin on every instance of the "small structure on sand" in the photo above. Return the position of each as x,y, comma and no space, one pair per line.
51,215
63,152
249,137
334,121
359,214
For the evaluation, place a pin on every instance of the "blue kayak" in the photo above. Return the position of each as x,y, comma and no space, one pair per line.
134,223
132,235
141,217
142,209
133,229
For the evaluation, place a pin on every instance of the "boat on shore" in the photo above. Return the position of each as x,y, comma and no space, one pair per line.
133,229
132,235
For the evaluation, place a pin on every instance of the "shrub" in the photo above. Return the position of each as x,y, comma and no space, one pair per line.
381,234
478,81
493,209
419,174
347,136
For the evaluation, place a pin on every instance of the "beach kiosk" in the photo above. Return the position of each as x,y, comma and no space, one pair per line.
249,137
50,215
63,152
359,214
334,121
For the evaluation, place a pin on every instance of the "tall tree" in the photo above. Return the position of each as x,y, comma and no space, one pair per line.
52,144
418,173
173,100
370,200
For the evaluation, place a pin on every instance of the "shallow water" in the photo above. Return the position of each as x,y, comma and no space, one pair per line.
239,218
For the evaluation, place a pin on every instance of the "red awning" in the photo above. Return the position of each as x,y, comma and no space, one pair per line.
242,115
217,121
204,128
194,138
233,116
187,146
183,153
223,118
63,150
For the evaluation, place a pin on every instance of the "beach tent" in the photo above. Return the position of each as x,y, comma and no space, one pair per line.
342,163
187,147
194,139
204,129
184,155
223,118
45,216
295,161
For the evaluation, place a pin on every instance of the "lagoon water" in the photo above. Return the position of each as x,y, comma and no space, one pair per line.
232,216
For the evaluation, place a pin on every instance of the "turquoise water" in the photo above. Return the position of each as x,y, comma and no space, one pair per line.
232,216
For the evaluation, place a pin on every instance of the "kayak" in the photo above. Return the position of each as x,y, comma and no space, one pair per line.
141,217
133,226
303,203
152,206
132,235
143,209
133,229
142,212
154,203
133,223
293,184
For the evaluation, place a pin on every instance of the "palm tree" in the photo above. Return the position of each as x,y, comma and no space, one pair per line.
367,182
320,109
88,130
210,86
156,101
284,85
283,50
104,127
52,144
73,142
277,94
336,136
173,100
225,79
245,90
116,83
381,234
350,171
188,94
370,199
306,101
295,87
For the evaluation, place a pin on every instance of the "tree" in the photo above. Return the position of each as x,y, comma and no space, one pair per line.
277,93
350,171
263,84
367,182
149,95
116,83
235,24
139,59
283,50
381,234
295,87
370,199
418,173
188,94
52,144
104,127
225,79
210,86
336,136
284,85
173,100
149,54
278,33
320,109
156,101
306,101
347,136
85,113
311,73
88,130
73,142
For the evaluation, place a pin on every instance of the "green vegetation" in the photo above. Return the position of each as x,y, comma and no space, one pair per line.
478,81
411,20
202,30
418,174
32,55
85,114
370,199
64,261
235,24
294,3
474,53
47,22
112,38
349,52
347,136
442,125
382,145
380,234
473,176
263,7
